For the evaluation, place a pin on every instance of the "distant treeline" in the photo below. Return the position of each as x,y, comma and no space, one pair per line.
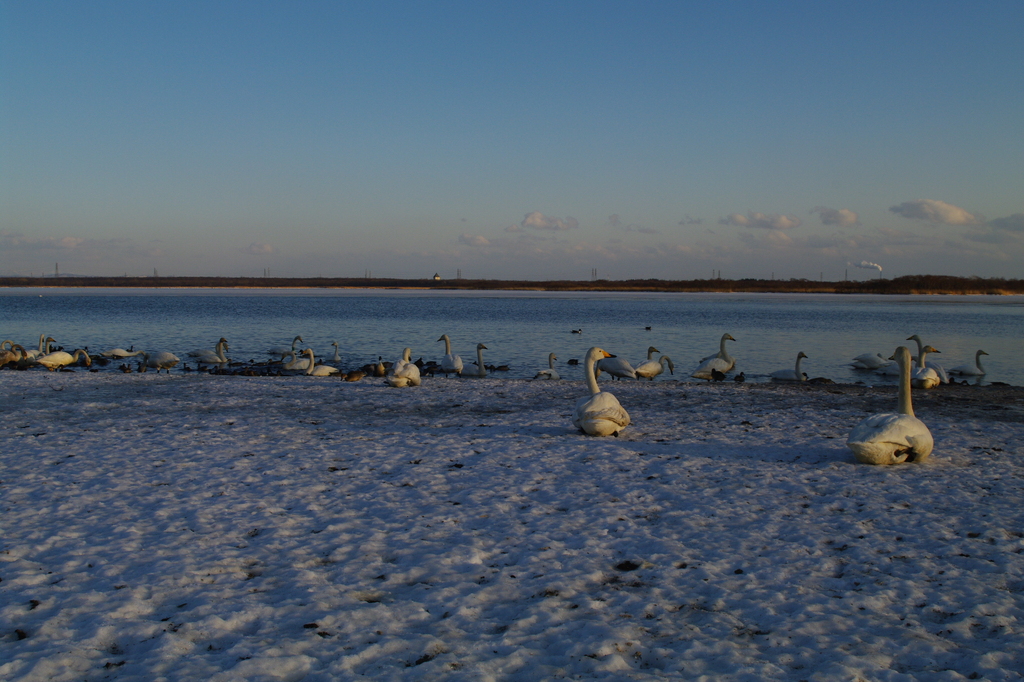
911,284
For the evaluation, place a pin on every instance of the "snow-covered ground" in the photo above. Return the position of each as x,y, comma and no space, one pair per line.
191,527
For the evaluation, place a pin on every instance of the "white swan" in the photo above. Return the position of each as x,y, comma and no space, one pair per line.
404,372
617,367
481,371
943,377
723,362
160,360
57,359
208,357
924,376
598,414
120,353
975,370
296,363
15,354
7,344
44,348
893,438
284,350
869,361
653,368
550,372
791,374
315,370
337,356
450,364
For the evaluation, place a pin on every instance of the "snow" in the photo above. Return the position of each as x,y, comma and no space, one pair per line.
192,527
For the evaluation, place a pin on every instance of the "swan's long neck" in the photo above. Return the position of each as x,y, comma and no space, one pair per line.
309,354
407,355
904,361
588,372
220,352
723,353
920,358
977,361
480,362
42,342
551,361
650,354
447,345
798,359
920,354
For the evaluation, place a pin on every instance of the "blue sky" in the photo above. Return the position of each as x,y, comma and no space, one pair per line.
512,140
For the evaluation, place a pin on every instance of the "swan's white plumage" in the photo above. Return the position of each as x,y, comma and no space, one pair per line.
57,359
722,362
208,357
481,371
652,368
296,363
284,350
316,370
922,362
404,372
450,364
120,353
617,367
975,370
869,361
161,360
893,438
549,373
924,376
791,374
600,413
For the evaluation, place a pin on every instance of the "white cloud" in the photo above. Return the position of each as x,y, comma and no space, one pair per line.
761,220
937,212
258,249
474,240
836,216
867,265
538,221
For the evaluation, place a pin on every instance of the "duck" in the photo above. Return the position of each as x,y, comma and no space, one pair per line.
716,375
404,372
160,360
739,378
57,359
652,368
598,414
722,362
315,370
893,438
355,375
924,376
549,373
450,364
481,370
284,350
975,370
791,374
576,331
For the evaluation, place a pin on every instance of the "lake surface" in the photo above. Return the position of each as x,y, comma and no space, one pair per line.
520,328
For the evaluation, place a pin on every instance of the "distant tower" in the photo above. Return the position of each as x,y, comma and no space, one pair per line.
56,270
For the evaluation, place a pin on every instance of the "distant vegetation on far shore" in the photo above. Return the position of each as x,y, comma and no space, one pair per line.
910,284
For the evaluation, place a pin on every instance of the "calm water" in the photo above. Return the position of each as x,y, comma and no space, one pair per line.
521,328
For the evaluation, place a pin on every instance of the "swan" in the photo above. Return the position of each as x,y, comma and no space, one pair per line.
404,372
600,413
315,370
284,350
450,364
207,357
791,374
924,376
15,354
550,372
7,345
869,361
481,371
893,438
44,348
337,356
943,377
121,353
723,362
617,367
57,359
296,363
975,370
653,368
160,360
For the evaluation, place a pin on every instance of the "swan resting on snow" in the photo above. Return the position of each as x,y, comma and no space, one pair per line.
975,370
404,372
722,362
652,368
791,374
924,376
939,371
893,438
600,413
550,372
